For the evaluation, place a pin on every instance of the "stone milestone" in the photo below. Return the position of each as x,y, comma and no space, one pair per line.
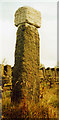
27,58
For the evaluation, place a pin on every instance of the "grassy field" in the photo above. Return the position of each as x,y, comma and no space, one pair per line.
45,109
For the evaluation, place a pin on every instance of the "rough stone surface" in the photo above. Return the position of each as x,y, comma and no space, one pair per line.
28,15
26,68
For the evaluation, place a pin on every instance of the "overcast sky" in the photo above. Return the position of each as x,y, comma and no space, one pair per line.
47,32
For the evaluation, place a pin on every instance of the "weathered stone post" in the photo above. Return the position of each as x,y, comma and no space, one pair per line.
27,58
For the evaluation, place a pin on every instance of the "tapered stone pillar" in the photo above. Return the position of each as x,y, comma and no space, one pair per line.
27,55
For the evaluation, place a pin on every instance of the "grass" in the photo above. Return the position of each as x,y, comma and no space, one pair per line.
46,108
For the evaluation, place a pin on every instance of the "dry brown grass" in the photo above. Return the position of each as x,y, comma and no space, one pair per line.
46,107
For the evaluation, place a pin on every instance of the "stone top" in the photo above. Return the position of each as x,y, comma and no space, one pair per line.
28,15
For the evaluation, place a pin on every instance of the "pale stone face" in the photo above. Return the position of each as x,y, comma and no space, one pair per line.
28,15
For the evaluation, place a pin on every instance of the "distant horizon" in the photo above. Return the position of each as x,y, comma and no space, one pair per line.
57,66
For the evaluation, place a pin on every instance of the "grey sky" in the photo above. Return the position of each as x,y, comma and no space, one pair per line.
47,32
58,34
28,0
